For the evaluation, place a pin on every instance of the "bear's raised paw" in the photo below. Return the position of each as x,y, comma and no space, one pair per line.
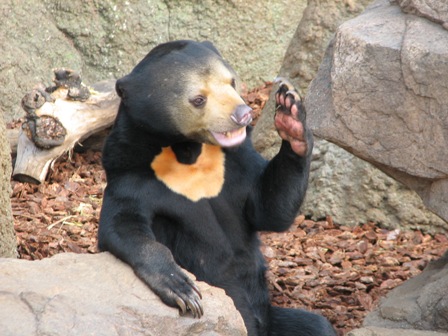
290,118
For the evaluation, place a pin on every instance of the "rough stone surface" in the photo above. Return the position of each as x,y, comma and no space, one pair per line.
7,236
78,294
352,191
434,10
105,39
374,331
381,94
341,185
419,303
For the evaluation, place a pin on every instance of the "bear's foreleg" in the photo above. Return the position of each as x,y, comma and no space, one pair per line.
126,231
280,190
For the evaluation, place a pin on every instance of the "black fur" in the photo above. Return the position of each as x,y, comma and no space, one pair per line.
156,230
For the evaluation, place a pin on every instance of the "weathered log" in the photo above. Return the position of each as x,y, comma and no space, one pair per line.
13,137
94,141
77,120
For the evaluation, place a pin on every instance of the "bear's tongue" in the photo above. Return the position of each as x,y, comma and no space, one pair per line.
230,138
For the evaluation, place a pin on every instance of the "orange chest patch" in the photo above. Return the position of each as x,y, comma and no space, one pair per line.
203,179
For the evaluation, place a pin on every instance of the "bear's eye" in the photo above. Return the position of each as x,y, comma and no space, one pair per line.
198,101
233,83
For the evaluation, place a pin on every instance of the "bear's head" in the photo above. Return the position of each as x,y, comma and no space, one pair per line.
186,91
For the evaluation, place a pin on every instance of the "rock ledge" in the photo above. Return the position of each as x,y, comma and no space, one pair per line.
80,294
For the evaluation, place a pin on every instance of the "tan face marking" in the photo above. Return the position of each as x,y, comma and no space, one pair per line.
203,179
221,101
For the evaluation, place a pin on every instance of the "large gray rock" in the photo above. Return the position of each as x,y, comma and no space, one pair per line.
79,294
381,94
105,39
348,189
419,303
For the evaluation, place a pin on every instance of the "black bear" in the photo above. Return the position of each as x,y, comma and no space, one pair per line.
185,187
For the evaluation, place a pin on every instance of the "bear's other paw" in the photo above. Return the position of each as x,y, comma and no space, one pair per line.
290,118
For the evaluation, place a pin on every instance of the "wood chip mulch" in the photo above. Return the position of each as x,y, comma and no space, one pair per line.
343,271
337,270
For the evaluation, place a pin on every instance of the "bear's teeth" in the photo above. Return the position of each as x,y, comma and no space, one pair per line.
232,134
230,138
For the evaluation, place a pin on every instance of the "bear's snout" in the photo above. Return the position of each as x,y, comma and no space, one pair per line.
242,115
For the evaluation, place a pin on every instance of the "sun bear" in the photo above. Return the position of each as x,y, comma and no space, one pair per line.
185,187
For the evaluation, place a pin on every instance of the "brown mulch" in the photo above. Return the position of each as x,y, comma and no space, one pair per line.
339,271
343,271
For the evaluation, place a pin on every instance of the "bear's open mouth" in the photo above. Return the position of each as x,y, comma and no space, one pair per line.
230,138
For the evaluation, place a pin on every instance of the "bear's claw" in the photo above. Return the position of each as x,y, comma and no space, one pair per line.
283,81
194,306
294,94
288,100
187,297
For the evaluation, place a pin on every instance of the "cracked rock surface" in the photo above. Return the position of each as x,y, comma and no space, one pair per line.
81,294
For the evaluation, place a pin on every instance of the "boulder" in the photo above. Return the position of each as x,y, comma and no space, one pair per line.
80,294
106,39
419,303
341,185
380,93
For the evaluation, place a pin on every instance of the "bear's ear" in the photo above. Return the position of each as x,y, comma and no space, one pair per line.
120,87
210,46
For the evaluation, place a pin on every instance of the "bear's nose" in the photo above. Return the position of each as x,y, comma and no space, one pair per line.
242,115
